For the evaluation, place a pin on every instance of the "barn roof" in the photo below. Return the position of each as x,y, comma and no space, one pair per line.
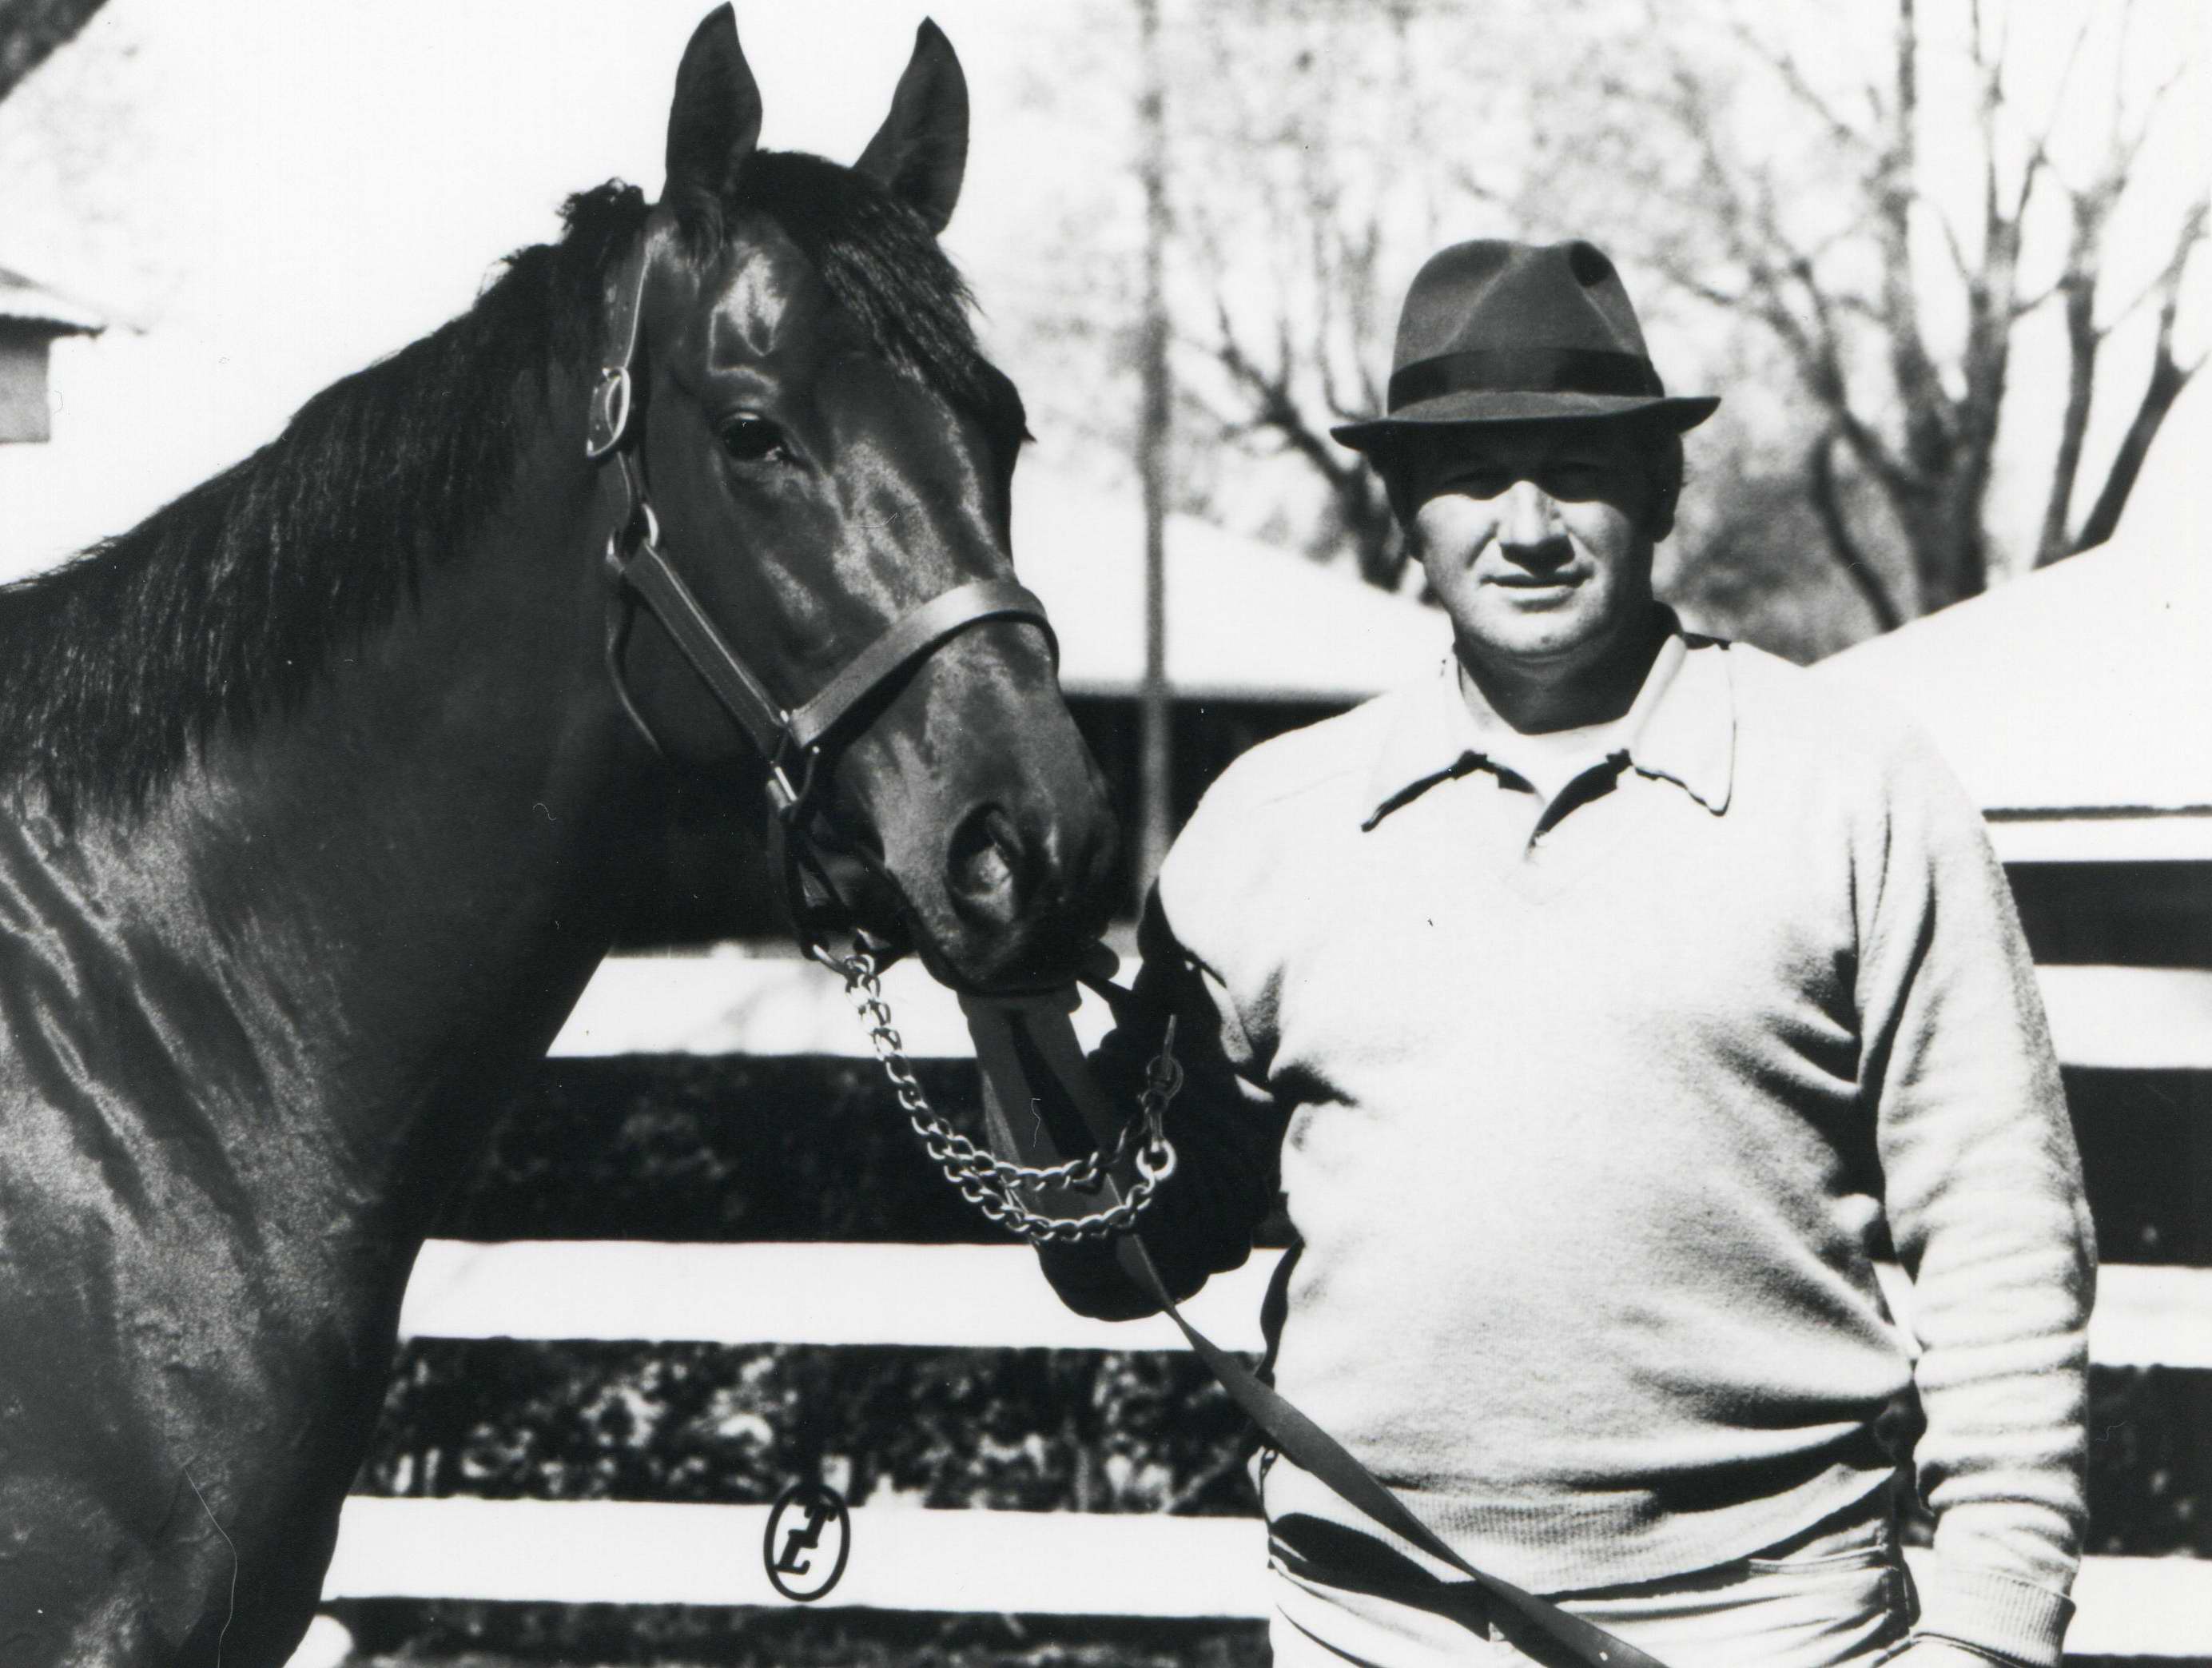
1246,621
22,302
2075,704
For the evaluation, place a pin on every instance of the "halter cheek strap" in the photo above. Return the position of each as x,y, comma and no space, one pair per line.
607,418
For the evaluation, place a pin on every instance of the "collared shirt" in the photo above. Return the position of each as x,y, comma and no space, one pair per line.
1592,1138
1680,729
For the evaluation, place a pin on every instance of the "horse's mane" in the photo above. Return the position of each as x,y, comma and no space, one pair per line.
231,599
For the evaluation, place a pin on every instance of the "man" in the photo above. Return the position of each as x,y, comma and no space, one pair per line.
1605,1006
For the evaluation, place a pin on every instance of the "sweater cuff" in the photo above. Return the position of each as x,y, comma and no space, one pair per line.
1996,1614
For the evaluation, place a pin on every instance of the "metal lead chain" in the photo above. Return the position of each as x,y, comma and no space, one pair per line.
991,1184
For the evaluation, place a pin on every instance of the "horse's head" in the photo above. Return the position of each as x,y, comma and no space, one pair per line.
826,452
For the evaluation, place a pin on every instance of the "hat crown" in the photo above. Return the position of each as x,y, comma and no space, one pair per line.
1490,293
1498,332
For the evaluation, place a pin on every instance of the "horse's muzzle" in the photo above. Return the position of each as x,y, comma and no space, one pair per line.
1030,895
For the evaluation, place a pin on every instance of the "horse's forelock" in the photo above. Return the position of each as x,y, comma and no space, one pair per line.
879,261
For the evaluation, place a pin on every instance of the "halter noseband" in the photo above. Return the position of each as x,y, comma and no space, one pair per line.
792,741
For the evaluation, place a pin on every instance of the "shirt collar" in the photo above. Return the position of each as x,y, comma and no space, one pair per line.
1680,729
1688,738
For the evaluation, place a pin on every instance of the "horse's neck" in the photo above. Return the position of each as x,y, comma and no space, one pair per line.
400,886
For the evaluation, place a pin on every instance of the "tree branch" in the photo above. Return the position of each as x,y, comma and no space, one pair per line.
1366,518
2167,379
1827,505
1928,417
1785,66
2130,147
2035,301
2190,232
2083,339
2168,376
1961,267
1773,268
2039,151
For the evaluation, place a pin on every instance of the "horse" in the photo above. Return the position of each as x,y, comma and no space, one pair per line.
328,785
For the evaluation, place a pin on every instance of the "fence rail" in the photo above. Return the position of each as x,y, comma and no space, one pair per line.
989,1297
1029,1563
2129,1017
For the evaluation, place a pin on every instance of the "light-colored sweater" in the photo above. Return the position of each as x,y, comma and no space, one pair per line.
1593,1137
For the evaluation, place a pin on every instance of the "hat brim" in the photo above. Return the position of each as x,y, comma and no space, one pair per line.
1467,410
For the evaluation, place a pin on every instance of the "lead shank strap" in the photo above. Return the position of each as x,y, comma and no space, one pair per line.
1531,1623
1517,1614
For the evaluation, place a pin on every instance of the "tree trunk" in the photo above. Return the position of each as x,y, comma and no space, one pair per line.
1827,504
1156,815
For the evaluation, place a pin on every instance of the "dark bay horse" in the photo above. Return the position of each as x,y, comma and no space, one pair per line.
323,791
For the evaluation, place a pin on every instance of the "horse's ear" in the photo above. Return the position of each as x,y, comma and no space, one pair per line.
714,122
921,150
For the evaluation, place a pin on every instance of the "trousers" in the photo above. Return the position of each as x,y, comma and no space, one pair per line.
1835,1596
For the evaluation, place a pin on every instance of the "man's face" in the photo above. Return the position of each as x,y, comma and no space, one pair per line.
1537,539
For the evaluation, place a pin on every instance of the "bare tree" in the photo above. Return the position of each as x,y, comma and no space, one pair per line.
1846,275
1855,247
31,29
1315,126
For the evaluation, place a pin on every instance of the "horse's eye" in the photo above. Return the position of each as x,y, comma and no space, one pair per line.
752,439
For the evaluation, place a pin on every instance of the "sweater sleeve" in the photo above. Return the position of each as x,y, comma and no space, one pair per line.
1983,1188
1225,1127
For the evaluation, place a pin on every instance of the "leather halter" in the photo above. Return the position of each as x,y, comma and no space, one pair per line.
792,740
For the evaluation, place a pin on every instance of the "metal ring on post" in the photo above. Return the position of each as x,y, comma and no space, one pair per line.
793,798
610,414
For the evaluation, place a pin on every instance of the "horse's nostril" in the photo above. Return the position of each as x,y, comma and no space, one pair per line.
983,866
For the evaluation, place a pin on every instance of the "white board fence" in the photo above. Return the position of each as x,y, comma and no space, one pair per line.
1064,1563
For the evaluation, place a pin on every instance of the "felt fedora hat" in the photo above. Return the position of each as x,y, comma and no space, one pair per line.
1495,331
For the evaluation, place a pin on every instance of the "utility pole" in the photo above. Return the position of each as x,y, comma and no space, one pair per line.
1155,709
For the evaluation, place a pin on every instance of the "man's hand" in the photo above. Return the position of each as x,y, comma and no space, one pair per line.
1099,962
